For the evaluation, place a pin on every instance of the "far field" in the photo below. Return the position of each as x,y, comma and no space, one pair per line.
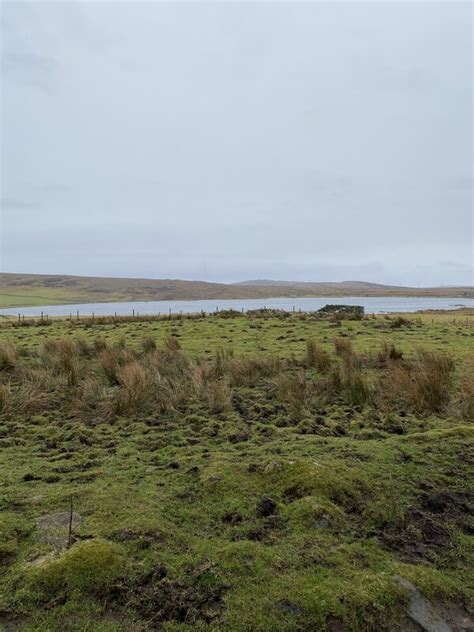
22,290
254,472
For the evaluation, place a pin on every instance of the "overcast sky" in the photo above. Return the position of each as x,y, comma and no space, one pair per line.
307,141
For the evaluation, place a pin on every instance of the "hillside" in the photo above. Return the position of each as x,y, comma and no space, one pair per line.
21,290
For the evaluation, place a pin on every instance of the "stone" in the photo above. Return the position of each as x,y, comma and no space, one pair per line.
54,528
421,610
323,522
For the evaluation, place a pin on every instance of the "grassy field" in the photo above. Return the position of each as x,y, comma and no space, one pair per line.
252,473
22,290
29,297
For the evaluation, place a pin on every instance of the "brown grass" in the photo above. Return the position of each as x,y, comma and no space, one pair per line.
63,358
292,390
111,360
148,344
342,346
70,376
5,397
218,396
422,385
389,353
316,357
8,356
466,395
356,387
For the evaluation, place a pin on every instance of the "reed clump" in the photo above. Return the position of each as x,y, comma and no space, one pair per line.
423,385
8,356
316,357
94,382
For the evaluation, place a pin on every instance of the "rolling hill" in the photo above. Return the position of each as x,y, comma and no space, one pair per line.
21,290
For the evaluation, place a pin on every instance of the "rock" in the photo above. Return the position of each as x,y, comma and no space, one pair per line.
421,610
54,528
215,478
323,522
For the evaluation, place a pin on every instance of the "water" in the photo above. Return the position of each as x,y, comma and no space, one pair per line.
373,305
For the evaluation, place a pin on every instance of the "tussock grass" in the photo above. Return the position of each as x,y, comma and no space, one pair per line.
356,386
292,390
342,346
112,381
316,357
8,356
111,360
148,344
422,385
5,397
63,358
389,353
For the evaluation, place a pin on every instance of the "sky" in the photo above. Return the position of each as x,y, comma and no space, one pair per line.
225,141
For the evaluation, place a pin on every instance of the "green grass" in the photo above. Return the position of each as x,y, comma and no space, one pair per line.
175,532
33,296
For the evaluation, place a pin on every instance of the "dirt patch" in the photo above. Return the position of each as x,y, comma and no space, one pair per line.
197,597
427,527
266,507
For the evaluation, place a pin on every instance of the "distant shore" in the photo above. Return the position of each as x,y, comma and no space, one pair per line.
29,290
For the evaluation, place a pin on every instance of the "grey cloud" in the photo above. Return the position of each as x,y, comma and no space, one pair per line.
17,204
289,140
31,69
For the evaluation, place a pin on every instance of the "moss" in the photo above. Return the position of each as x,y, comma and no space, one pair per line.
89,567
